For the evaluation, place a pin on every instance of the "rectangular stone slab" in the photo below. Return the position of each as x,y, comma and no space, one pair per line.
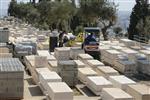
106,71
85,56
139,91
83,73
126,67
97,83
121,81
115,94
46,54
94,63
79,63
62,53
74,51
44,78
59,91
53,65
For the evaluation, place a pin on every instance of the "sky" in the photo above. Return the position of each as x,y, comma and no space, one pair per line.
125,5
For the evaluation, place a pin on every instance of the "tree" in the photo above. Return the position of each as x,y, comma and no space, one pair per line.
79,29
64,15
75,22
93,12
117,30
44,0
33,1
73,2
61,14
33,15
12,8
139,13
144,28
24,11
44,8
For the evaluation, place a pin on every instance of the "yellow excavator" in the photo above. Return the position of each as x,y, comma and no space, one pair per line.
73,40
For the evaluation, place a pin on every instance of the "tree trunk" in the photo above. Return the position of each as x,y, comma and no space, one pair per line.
105,35
33,1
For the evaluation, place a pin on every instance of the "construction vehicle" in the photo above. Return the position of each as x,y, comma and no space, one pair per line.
90,46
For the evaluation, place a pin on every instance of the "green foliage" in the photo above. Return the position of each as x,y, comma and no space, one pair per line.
43,26
94,11
117,30
64,15
12,8
26,12
79,29
144,28
91,10
61,14
140,11
44,8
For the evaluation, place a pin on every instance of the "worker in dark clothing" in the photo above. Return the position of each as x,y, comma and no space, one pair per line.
89,39
65,39
61,39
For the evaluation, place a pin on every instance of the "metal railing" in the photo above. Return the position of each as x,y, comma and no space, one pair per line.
141,39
